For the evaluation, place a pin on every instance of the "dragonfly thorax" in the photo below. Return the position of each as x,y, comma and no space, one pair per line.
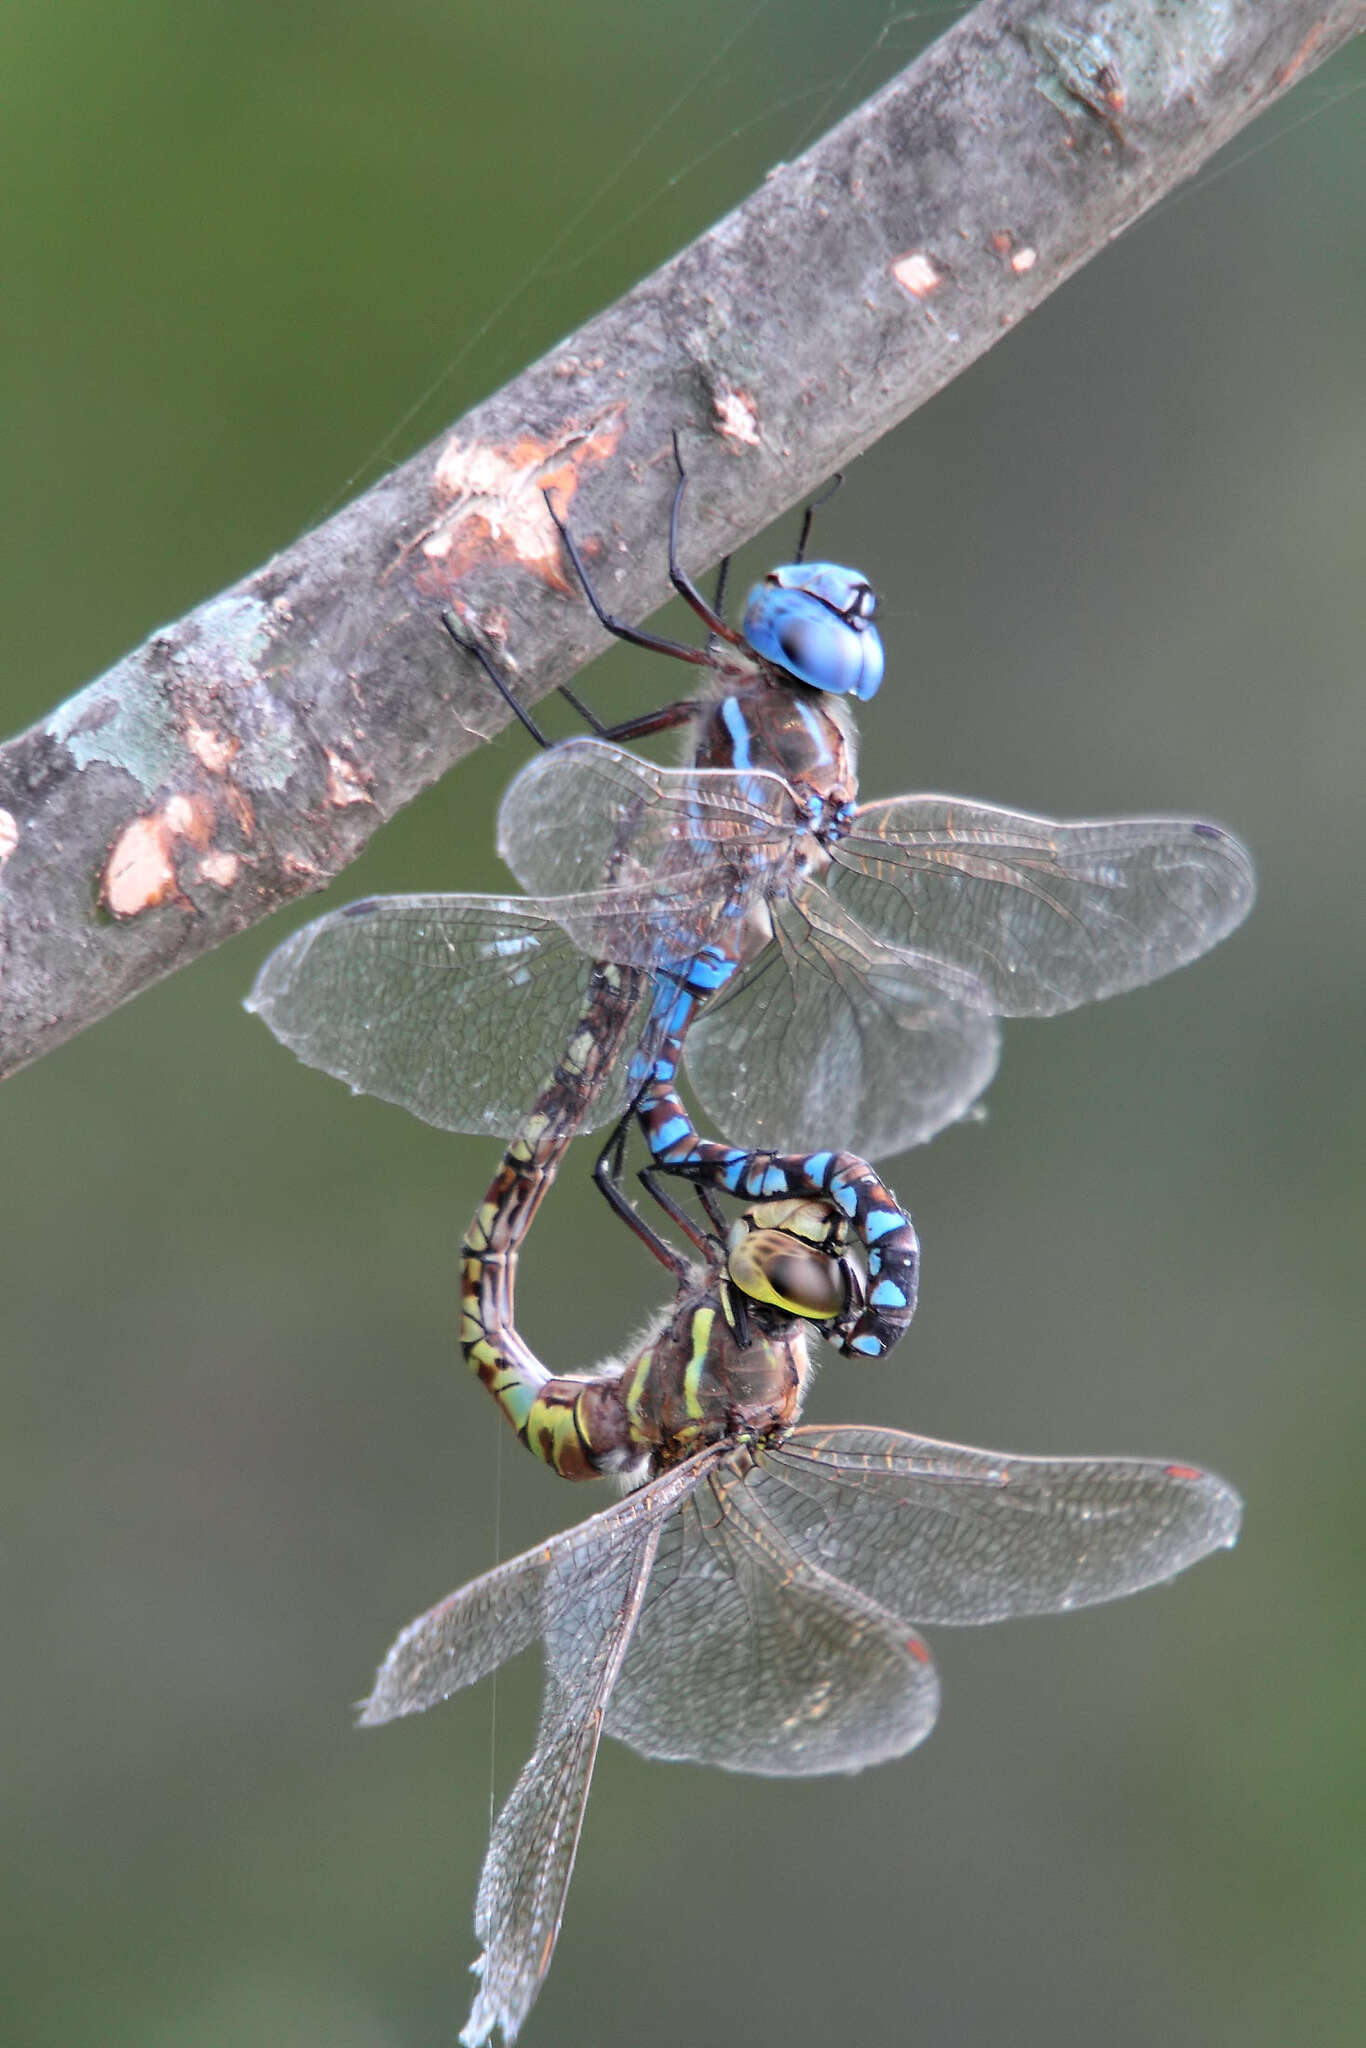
711,1373
697,1384
807,739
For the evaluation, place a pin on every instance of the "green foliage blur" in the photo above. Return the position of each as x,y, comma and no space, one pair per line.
253,253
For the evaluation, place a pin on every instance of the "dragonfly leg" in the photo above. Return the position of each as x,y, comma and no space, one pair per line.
710,614
670,715
718,596
664,720
607,1173
655,643
473,647
707,1201
821,498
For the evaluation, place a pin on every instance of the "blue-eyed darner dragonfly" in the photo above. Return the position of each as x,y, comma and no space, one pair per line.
852,960
754,1603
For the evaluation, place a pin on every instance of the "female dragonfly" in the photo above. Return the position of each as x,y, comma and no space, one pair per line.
753,1603
851,958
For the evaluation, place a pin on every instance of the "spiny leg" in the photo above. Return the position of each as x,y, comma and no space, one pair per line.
710,614
821,498
663,720
607,1174
635,636
471,646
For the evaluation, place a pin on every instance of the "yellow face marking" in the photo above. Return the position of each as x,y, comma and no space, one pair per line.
815,1222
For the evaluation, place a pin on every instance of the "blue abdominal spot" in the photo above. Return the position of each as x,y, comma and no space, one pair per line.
674,1132
880,1221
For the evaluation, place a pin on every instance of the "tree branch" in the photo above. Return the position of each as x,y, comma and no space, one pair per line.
244,755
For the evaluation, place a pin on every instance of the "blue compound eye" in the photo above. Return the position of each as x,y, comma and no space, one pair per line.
814,620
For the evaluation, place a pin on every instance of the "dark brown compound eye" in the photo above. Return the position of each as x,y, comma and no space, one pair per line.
772,1267
808,1283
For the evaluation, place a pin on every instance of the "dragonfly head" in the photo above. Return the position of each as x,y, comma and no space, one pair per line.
790,1256
815,620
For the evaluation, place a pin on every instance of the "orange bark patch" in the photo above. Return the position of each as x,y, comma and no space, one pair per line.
222,869
736,415
495,509
139,872
211,749
345,782
917,273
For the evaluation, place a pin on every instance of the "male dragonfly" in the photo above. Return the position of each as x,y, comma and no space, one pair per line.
850,960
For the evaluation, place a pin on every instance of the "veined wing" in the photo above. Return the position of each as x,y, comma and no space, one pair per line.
454,1007
683,847
1043,915
525,1879
462,1639
583,1592
830,1030
554,1590
750,1654
940,1533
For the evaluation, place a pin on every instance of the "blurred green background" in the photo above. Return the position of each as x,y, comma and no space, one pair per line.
1122,570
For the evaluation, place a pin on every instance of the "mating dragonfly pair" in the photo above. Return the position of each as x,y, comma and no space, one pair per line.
826,968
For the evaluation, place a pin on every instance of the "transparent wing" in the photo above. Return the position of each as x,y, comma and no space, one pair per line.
454,1007
561,1590
462,1639
940,1533
586,827
525,1879
1042,915
751,1655
582,1591
830,1032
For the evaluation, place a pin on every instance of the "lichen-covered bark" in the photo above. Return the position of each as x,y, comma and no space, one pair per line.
243,755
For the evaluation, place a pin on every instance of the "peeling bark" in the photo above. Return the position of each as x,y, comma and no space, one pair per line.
243,756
